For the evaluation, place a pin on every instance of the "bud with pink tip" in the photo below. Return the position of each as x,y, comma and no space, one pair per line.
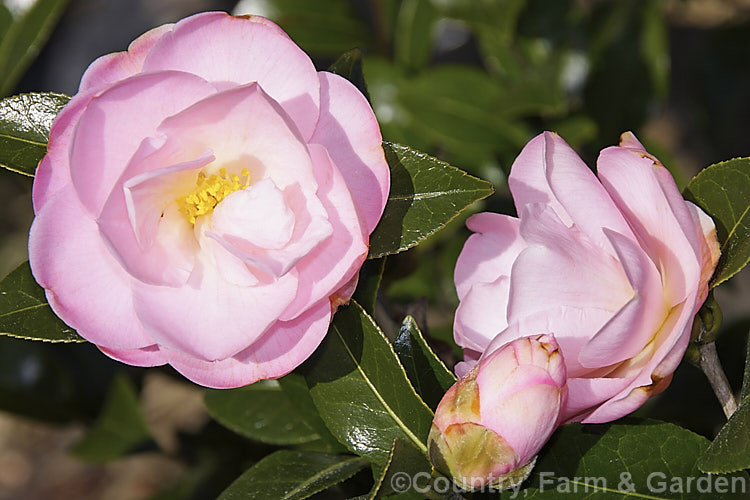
491,424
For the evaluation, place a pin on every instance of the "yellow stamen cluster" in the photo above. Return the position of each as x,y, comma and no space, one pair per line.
210,191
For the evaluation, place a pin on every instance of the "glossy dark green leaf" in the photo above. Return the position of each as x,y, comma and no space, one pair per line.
287,475
120,428
349,65
25,312
427,373
406,469
262,412
295,387
425,195
25,121
730,449
722,190
361,389
32,23
629,460
370,276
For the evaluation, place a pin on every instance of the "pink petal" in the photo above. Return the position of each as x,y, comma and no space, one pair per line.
210,318
489,253
562,268
635,186
307,223
145,356
231,51
153,242
633,327
257,214
549,171
526,418
115,123
244,128
585,394
480,315
349,131
571,326
85,285
282,348
710,251
650,372
117,66
338,258
53,172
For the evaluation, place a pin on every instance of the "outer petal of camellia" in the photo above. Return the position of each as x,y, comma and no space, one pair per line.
53,172
337,259
349,131
482,277
284,71
632,183
117,66
210,318
85,284
283,347
549,171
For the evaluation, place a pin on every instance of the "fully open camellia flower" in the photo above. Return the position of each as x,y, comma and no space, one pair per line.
614,267
490,425
206,201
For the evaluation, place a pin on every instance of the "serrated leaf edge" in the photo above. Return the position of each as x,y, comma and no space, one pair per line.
490,190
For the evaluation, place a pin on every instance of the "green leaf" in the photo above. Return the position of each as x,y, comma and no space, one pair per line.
722,190
425,195
413,38
349,65
25,121
427,373
630,459
730,449
25,312
405,462
361,389
120,428
370,276
291,475
295,387
262,412
24,38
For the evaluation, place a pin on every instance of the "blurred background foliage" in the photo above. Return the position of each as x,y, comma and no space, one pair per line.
468,81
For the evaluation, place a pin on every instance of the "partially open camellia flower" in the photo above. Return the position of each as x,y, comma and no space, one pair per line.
206,201
614,267
490,425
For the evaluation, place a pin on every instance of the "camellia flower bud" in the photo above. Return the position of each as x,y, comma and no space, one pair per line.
490,425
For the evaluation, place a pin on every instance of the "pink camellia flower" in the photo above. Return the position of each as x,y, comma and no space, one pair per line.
206,201
614,267
490,425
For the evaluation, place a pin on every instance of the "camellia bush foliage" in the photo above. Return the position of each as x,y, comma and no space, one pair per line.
376,376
